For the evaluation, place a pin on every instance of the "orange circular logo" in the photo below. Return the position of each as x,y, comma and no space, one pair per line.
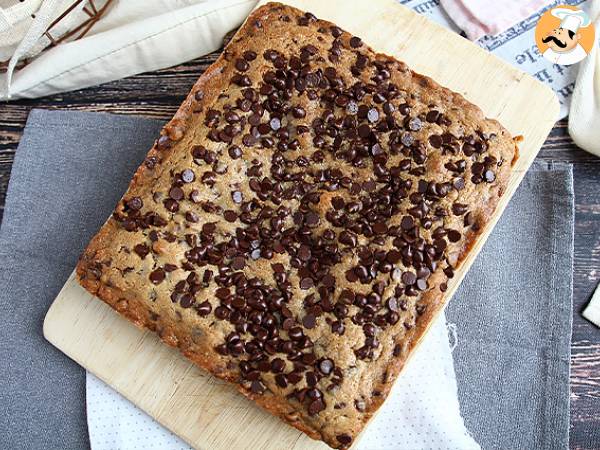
565,35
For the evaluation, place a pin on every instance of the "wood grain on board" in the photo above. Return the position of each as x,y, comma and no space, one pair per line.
158,95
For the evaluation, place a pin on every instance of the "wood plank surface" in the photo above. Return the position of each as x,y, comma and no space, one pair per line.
159,93
123,357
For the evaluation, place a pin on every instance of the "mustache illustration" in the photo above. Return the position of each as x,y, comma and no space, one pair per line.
558,42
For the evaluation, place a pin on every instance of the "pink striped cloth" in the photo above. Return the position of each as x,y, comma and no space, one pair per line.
478,18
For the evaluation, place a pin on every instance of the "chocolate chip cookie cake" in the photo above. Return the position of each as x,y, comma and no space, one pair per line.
297,223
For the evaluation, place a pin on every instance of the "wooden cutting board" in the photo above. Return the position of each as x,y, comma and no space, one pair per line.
206,412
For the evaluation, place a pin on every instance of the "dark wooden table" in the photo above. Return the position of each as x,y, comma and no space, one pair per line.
158,95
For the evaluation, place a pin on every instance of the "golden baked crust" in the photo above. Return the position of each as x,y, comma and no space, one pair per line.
295,226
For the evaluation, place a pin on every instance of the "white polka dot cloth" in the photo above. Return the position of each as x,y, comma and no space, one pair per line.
421,413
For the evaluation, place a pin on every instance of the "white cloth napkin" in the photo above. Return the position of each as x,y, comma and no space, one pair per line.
421,413
584,116
133,36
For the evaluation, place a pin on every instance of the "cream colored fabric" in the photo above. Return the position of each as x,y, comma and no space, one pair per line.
134,36
584,116
592,310
22,25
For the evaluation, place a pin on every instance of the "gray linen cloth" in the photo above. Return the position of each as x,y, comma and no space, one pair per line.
513,310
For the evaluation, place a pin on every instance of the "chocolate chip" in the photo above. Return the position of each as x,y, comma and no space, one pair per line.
186,301
230,216
380,228
407,223
176,193
187,176
157,276
298,112
453,236
241,65
236,196
306,283
191,216
277,365
369,186
432,116
328,280
364,131
316,406
459,183
477,168
312,219
409,278
326,366
393,256
407,139
415,124
257,387
314,394
223,293
203,309
336,32
135,203
337,327
344,439
238,263
458,209
309,321
304,252
248,140
234,152
348,238
208,228
352,107
275,124
281,380
163,142
295,333
221,312
373,115
489,176
369,329
360,405
241,80
435,140
355,42
421,284
249,55
392,304
141,250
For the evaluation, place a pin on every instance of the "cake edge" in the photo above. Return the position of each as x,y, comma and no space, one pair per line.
134,309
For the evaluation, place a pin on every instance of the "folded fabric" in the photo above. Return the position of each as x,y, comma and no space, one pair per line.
513,313
480,18
23,25
584,116
15,19
132,37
